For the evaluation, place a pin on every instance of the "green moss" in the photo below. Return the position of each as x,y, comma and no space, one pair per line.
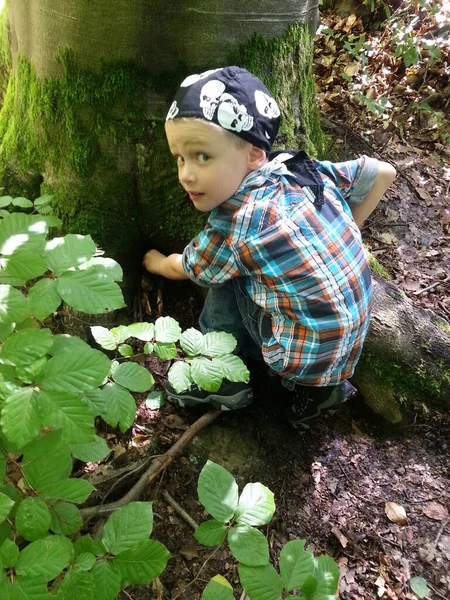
443,326
285,66
5,53
378,268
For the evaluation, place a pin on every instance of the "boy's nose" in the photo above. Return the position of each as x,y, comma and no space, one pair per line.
186,174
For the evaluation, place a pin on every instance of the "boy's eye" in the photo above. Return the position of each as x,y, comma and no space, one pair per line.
202,157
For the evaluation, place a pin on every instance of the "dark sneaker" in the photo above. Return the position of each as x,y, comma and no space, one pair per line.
230,396
304,409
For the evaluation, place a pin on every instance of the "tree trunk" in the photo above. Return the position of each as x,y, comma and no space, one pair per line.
406,356
90,86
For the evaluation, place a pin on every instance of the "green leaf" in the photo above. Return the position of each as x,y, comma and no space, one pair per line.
85,561
155,400
72,490
61,409
127,526
218,343
76,585
207,374
94,452
148,348
210,533
109,266
44,210
5,532
120,333
44,558
32,518
309,588
192,342
107,580
233,368
419,586
9,554
22,202
260,583
142,331
52,221
72,250
5,201
43,200
25,347
142,563
218,589
217,492
167,330
5,331
20,420
30,373
90,291
120,406
180,376
15,495
85,543
95,400
46,460
125,350
327,575
65,342
25,265
256,505
29,588
248,545
14,307
133,377
65,518
75,370
6,505
296,564
165,351
104,337
24,232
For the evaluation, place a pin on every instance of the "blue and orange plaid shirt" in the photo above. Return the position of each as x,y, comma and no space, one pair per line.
303,264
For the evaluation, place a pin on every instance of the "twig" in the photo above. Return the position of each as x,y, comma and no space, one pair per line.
441,530
180,510
432,286
155,468
436,591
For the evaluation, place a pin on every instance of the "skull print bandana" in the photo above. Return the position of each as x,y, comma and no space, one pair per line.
232,98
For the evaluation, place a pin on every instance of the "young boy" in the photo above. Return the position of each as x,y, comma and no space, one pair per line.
281,251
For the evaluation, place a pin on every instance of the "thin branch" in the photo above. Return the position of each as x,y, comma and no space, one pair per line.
155,468
432,286
179,509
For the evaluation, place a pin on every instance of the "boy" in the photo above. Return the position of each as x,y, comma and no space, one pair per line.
281,250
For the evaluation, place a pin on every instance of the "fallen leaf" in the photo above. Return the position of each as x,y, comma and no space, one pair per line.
435,511
340,536
396,513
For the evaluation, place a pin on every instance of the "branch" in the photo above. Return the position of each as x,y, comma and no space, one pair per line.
158,465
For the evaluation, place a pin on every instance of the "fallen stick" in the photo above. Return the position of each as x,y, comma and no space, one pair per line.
179,509
158,465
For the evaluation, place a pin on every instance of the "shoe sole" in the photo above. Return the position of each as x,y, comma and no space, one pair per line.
330,403
239,400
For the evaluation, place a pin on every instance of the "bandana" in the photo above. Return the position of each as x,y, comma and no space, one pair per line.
232,98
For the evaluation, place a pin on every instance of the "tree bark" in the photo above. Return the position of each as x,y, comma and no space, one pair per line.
406,356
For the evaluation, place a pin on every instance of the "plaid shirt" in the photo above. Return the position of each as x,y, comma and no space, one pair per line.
304,265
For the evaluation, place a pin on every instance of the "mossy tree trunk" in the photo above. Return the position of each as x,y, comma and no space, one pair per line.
89,88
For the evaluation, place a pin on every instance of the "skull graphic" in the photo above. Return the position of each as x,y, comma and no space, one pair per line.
197,77
232,115
210,96
173,111
266,105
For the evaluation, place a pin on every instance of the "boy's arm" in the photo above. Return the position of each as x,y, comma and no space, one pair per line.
384,178
168,266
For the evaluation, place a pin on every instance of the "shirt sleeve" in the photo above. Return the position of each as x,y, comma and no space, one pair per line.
354,178
208,259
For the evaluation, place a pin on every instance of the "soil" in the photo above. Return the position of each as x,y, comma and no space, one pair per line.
331,486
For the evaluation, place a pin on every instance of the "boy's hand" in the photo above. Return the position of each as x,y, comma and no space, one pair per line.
168,266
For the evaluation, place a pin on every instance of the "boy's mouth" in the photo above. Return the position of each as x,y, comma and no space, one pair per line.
195,195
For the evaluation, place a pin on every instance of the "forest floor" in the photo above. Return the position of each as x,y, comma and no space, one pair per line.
333,484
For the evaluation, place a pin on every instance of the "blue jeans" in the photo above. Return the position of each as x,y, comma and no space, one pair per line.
229,308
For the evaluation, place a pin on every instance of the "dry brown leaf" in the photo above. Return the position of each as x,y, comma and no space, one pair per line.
340,536
436,511
351,69
396,513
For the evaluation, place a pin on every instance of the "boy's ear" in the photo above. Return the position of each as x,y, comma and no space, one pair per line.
256,158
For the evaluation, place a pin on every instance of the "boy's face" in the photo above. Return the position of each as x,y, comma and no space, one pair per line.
211,165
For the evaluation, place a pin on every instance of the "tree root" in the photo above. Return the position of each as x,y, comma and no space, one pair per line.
155,468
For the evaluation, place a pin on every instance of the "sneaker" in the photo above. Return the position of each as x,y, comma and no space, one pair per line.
304,409
230,396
